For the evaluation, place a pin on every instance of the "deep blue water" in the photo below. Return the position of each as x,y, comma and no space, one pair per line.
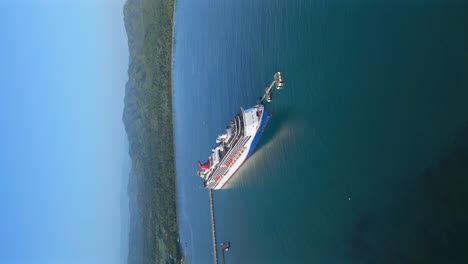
365,157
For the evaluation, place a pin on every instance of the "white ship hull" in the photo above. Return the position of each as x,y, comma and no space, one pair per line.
238,142
221,171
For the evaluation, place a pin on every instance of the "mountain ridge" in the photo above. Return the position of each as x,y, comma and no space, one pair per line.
147,117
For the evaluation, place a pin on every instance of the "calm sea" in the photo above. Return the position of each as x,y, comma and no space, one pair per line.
365,159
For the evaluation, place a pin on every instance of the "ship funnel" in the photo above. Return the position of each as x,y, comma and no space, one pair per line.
204,166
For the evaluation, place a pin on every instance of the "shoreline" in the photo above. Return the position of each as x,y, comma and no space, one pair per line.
149,123
180,247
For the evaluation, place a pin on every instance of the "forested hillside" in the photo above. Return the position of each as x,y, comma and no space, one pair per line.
148,122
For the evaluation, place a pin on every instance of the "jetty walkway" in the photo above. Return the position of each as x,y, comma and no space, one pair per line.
213,228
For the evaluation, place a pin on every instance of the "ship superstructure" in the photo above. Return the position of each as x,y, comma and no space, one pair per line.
238,141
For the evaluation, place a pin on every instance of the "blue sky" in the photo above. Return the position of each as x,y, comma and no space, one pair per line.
63,70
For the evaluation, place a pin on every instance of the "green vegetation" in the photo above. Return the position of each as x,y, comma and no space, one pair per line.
148,123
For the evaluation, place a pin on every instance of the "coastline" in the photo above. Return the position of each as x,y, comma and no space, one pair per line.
181,256
234,39
149,122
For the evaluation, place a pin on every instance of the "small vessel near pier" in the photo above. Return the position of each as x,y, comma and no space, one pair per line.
238,141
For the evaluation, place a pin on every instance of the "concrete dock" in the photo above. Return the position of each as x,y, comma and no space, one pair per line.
213,228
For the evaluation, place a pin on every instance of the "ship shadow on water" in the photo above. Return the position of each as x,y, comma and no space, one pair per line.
274,133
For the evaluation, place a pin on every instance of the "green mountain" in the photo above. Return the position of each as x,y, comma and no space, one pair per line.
148,122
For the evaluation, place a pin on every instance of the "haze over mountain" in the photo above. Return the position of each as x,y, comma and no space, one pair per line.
124,205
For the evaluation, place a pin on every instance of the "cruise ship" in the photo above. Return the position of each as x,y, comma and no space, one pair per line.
238,141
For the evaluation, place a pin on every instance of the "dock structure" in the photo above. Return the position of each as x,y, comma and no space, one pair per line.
213,227
225,246
277,82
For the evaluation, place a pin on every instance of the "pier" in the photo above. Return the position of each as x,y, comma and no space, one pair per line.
225,247
267,97
213,227
277,82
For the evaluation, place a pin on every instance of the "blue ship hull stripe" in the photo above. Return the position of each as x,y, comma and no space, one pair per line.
265,118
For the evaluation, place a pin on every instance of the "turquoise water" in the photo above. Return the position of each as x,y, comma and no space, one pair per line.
358,163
